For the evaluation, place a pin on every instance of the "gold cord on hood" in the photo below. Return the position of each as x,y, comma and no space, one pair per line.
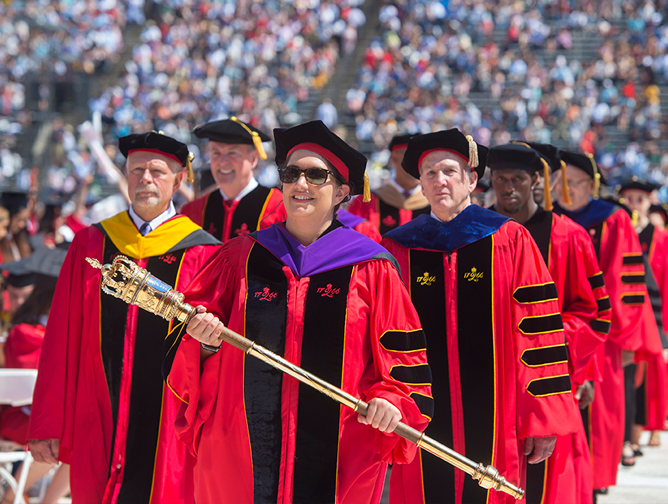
597,177
473,152
257,141
564,185
189,168
547,196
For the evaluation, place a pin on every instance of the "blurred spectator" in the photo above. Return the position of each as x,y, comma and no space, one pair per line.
326,112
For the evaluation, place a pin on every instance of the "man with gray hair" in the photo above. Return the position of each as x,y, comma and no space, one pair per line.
100,403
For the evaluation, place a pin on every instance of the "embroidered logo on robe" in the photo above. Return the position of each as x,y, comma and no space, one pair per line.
328,291
266,294
212,229
243,230
389,221
474,275
168,258
426,279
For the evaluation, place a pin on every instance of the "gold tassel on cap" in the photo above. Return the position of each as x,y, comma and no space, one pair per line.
597,177
257,141
547,196
190,176
634,218
564,185
367,189
473,152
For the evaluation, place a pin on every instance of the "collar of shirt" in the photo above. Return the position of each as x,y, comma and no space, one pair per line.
163,217
251,185
401,190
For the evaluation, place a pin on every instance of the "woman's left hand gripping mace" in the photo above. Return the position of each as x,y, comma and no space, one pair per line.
133,284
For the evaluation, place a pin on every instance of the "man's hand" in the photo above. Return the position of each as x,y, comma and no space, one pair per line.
541,448
45,450
627,357
205,328
585,394
381,415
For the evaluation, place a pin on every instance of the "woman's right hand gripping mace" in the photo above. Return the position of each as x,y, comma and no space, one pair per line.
125,280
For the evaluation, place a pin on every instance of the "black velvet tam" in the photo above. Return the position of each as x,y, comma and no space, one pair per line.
314,136
451,140
516,156
154,142
585,163
229,131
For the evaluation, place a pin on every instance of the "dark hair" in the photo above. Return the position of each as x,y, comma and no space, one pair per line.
35,307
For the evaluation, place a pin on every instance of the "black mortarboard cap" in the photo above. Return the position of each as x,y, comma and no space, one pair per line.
451,140
41,268
516,156
14,201
160,144
19,273
586,163
400,142
233,131
549,152
316,137
520,155
640,185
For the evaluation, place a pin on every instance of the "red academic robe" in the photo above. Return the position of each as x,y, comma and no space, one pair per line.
22,351
653,393
566,476
338,309
100,391
490,312
620,258
388,209
259,209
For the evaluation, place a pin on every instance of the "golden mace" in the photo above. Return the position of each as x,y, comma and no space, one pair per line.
127,281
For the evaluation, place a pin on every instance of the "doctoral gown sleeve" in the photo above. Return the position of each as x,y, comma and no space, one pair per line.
214,287
397,341
543,388
586,309
55,392
368,230
621,263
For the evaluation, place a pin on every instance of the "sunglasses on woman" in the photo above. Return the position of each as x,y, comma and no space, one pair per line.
315,176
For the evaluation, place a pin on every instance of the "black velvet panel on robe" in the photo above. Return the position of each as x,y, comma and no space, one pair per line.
475,356
266,315
316,450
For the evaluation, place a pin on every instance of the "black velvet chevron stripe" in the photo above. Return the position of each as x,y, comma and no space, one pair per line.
633,279
632,260
633,299
549,386
536,293
603,304
602,326
596,281
404,341
424,403
545,356
412,375
542,324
